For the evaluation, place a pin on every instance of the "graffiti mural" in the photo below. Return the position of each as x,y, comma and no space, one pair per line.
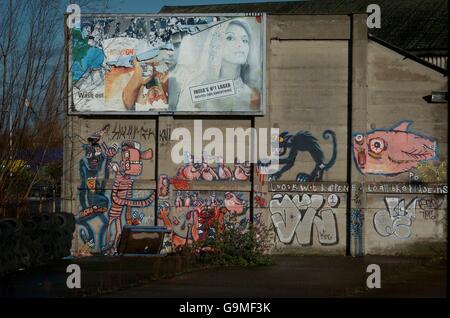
94,173
260,200
105,206
196,215
122,200
392,151
212,169
293,145
396,219
295,216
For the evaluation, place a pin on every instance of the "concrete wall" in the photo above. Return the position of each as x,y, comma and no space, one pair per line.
326,83
418,218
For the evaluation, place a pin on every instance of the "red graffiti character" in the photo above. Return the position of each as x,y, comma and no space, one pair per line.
122,193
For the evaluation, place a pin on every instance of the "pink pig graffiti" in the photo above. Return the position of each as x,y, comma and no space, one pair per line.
392,151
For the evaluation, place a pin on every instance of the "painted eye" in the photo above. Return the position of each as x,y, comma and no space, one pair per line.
127,154
377,145
359,139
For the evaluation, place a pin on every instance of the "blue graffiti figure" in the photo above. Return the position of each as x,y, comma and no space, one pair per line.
94,173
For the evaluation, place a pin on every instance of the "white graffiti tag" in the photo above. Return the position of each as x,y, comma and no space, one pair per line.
396,219
293,217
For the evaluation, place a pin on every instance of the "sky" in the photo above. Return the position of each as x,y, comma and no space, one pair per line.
153,6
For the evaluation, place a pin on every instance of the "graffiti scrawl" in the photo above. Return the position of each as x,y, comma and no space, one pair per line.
294,217
396,219
392,151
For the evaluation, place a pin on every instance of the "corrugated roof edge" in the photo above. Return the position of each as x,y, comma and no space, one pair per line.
408,55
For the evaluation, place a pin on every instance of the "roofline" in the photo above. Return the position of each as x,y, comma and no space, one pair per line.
256,11
408,55
224,4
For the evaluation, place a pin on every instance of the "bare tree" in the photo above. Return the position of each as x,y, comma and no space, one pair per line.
32,92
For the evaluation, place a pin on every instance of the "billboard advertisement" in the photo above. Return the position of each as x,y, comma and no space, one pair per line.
151,64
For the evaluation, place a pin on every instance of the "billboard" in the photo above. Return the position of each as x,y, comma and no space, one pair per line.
151,64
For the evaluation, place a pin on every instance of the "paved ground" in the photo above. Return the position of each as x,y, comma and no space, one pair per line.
291,276
305,276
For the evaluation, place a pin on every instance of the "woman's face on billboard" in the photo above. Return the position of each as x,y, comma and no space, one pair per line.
236,46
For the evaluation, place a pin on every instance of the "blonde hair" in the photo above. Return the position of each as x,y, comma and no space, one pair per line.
213,49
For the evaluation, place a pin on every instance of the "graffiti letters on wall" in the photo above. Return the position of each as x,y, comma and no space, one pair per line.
131,132
429,206
295,216
392,151
396,219
211,64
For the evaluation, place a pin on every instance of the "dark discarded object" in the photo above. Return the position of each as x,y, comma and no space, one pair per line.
34,240
141,240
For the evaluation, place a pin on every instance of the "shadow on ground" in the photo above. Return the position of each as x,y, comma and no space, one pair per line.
291,276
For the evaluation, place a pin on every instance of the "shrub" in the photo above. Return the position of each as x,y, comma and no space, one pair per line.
229,245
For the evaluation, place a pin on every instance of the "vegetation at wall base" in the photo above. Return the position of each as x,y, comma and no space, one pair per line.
228,245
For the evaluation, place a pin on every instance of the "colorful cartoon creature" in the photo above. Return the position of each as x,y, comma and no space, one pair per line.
94,173
190,171
392,151
241,171
122,193
211,216
207,172
224,172
179,201
184,226
163,186
234,204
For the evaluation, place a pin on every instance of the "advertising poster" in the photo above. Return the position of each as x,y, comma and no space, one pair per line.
176,64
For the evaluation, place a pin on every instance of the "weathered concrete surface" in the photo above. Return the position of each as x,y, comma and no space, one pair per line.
310,276
321,71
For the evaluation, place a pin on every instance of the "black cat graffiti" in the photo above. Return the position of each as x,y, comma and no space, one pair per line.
289,147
